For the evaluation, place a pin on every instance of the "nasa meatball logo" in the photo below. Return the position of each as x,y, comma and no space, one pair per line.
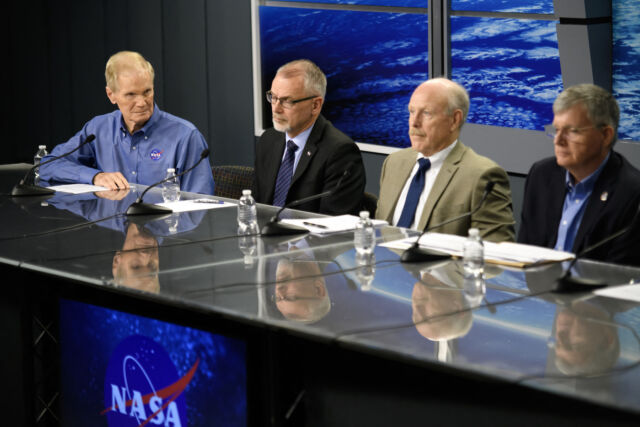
143,387
156,154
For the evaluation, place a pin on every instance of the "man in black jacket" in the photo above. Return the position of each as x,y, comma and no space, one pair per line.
304,154
587,191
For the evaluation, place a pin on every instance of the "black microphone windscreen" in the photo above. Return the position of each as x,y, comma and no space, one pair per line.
489,186
90,138
205,153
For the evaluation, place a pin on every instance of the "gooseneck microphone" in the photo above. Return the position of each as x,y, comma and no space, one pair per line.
22,189
276,228
140,208
569,283
417,254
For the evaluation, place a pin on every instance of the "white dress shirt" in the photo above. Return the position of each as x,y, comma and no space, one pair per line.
430,177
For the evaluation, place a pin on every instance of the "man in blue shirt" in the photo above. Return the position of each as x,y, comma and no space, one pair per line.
587,191
136,143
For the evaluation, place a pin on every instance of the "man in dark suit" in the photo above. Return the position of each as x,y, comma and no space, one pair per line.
587,191
303,154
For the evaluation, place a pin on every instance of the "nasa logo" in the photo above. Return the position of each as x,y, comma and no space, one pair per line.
142,385
156,154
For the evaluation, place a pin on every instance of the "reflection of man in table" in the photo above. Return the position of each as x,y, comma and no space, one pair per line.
301,293
586,342
431,300
137,264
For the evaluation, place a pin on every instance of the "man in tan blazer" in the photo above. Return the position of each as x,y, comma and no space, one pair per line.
439,178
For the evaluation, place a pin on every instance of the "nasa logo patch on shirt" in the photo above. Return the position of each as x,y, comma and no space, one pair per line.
156,154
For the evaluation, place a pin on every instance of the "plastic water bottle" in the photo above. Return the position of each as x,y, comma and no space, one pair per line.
364,236
171,188
473,254
42,151
247,214
366,271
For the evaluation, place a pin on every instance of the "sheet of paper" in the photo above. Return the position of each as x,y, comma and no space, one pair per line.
331,224
78,188
500,253
195,205
626,292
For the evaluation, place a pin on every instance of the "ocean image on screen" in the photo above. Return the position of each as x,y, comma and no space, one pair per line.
395,3
513,6
626,66
373,61
510,67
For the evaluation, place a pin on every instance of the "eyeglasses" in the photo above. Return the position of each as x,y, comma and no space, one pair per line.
572,133
286,103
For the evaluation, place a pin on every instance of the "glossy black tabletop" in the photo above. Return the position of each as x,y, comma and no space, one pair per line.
511,327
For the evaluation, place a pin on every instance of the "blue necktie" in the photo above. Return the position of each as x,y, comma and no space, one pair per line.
413,196
285,173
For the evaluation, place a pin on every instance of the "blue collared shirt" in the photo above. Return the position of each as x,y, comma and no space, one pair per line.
575,202
165,141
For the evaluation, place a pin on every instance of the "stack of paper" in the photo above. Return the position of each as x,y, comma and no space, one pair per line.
505,253
331,224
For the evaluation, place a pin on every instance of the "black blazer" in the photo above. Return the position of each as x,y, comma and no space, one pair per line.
327,154
613,205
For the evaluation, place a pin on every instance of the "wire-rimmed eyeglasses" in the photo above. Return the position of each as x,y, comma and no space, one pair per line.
285,102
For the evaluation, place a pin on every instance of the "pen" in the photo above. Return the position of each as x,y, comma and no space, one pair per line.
218,202
324,227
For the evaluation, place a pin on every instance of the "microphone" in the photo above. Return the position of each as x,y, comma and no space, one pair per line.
569,283
417,254
275,228
139,208
22,189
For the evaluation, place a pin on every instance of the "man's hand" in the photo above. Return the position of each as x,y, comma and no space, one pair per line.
111,180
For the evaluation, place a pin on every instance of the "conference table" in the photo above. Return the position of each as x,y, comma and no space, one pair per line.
290,330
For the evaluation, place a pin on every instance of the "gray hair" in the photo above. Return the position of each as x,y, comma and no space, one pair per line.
123,61
315,82
602,108
458,98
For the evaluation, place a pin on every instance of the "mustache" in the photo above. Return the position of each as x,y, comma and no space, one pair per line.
416,132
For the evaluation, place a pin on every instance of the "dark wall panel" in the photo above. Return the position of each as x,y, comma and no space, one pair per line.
230,81
185,61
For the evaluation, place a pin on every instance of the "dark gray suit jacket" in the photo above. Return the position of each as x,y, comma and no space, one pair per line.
327,155
612,206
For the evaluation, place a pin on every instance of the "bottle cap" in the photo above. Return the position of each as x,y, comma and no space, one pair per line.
473,232
246,192
42,147
171,170
364,214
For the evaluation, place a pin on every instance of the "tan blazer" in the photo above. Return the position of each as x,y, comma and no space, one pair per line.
457,189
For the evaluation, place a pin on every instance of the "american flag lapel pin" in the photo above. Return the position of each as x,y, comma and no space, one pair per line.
603,196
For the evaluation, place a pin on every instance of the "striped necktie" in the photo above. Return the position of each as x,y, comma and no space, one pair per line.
285,173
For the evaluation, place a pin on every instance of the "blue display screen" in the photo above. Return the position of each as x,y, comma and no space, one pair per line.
512,6
373,62
120,369
510,67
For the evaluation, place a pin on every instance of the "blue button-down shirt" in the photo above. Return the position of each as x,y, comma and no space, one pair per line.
575,202
165,141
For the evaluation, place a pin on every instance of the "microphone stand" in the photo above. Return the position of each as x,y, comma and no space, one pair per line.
21,189
569,283
417,254
140,208
275,228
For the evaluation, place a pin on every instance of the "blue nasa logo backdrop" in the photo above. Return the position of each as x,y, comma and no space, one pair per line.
195,378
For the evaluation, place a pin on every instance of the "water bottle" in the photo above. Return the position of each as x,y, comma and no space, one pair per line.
171,188
42,151
364,236
473,254
366,271
247,214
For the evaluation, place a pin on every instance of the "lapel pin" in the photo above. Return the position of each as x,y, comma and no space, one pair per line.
604,196
308,153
